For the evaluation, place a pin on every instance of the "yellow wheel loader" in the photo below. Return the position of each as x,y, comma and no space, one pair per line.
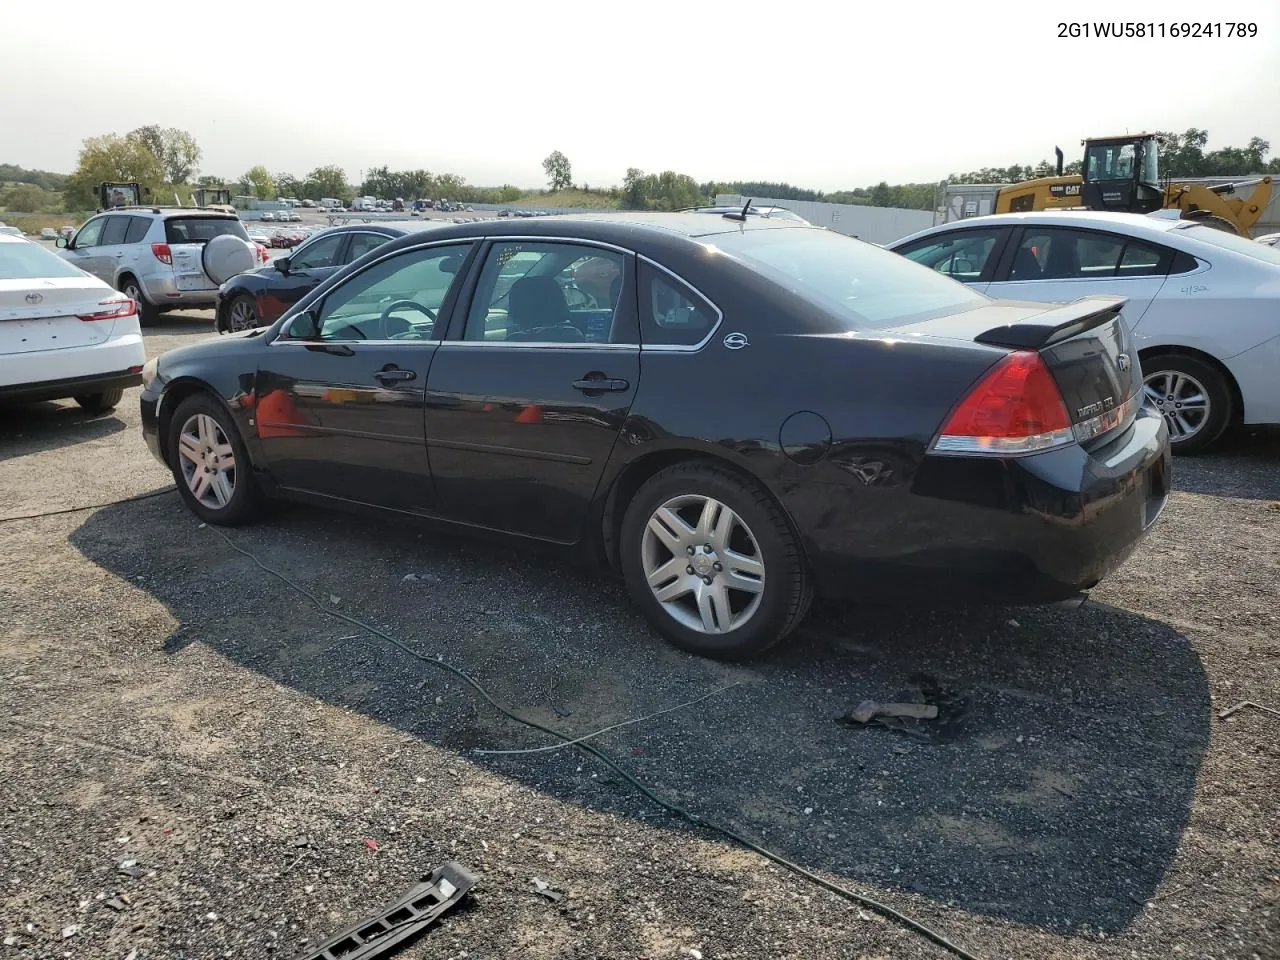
1123,174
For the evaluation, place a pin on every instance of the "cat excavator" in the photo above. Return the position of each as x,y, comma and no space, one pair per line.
1123,174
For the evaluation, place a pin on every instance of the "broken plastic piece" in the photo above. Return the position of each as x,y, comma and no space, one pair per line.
397,922
1246,703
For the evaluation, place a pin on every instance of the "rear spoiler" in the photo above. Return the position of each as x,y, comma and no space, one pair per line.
1053,326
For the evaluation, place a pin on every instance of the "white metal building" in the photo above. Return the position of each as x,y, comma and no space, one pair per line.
876,224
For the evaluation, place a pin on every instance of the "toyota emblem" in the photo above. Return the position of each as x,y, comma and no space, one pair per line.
1122,362
34,298
736,341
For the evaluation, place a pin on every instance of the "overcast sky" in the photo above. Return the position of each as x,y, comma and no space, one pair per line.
826,95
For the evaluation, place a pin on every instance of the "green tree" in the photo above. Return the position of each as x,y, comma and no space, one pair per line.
28,198
111,158
633,189
559,173
258,181
287,185
327,181
176,150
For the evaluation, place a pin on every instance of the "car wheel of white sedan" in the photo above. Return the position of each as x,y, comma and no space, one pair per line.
1193,397
210,463
712,562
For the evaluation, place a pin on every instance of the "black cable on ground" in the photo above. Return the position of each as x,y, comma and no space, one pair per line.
883,909
94,506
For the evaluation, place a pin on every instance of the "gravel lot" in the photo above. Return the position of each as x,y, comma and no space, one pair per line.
164,701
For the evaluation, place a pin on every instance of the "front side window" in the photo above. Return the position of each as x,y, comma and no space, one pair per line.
962,255
541,292
90,233
672,314
321,252
399,298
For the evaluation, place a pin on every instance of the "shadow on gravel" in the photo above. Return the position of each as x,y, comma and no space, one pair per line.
1245,463
35,427
1054,795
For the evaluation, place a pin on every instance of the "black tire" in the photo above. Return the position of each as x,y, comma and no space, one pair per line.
1158,371
245,503
148,313
787,593
100,402
244,302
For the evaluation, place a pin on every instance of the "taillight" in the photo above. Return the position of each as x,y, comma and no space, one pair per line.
1016,408
112,310
162,252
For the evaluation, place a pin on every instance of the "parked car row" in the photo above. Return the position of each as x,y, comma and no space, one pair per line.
281,216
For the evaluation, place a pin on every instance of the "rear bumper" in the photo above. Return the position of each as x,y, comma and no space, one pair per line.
1028,530
72,387
163,291
53,374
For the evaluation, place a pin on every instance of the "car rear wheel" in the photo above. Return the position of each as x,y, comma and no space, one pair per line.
1193,397
147,313
242,314
712,562
100,402
210,463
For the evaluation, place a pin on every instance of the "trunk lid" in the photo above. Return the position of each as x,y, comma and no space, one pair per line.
53,321
1086,345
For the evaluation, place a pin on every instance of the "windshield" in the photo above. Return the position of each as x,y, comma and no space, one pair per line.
29,261
1112,161
863,286
1231,241
202,229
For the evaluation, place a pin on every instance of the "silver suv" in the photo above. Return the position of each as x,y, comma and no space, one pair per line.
152,254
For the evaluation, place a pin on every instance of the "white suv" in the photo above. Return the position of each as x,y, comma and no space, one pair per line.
63,333
156,256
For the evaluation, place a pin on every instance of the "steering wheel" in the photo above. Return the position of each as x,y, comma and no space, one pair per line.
396,305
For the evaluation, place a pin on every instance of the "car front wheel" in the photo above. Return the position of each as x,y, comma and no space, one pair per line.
1193,397
210,463
712,562
242,314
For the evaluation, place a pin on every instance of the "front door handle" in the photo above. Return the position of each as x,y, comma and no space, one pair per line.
394,374
593,384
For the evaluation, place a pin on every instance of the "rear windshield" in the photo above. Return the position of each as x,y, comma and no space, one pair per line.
29,261
863,286
1232,241
202,229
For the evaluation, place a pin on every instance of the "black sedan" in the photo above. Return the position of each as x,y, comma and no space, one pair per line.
734,415
259,297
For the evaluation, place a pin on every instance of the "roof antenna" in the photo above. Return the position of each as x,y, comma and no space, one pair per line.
740,216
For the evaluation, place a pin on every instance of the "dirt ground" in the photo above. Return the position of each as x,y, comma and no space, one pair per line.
268,775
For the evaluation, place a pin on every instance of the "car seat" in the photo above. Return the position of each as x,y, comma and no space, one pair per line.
1025,266
537,311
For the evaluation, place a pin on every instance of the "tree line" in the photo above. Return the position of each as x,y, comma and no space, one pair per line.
166,159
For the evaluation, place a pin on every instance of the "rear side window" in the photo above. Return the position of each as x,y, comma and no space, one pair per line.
115,230
672,314
138,227
202,229
1053,254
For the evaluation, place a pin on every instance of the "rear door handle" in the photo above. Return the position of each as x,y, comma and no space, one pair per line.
390,376
593,384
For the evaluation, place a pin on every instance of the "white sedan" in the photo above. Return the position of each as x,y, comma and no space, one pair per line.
1203,303
63,333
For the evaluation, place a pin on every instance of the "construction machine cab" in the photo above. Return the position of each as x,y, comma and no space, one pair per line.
1122,173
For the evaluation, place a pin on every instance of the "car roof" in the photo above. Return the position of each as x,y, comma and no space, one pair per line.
1132,223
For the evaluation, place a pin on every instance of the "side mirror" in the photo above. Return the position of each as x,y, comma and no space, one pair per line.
305,326
282,264
61,242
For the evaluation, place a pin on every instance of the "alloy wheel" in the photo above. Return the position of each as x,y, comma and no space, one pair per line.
208,461
1181,399
243,316
703,564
